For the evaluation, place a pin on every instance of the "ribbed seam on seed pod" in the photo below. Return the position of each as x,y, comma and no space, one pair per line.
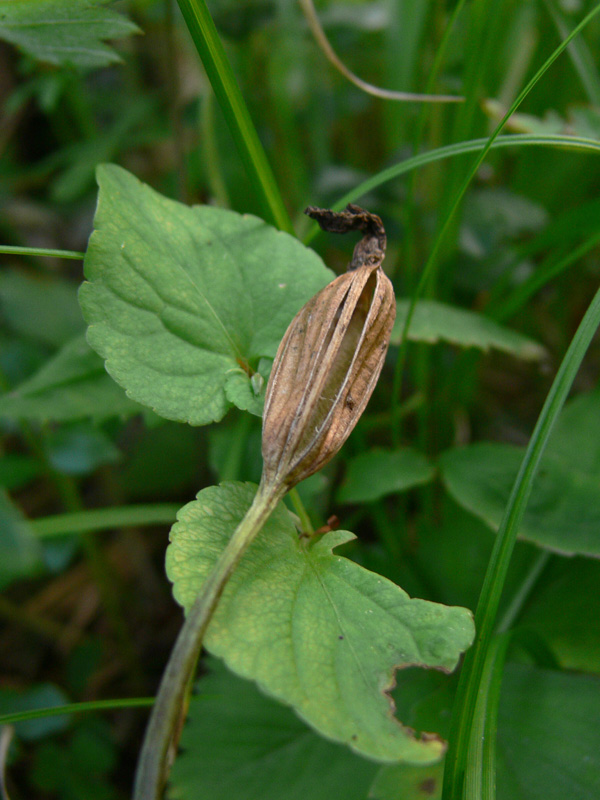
330,358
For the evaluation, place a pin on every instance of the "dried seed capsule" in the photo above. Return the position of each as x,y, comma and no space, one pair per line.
330,358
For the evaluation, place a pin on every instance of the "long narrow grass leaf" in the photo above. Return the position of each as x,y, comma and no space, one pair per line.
98,519
40,251
220,73
76,708
429,267
480,783
487,608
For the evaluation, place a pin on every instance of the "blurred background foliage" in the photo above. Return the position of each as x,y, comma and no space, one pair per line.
89,616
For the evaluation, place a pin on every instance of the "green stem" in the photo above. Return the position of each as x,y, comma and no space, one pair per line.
212,159
235,454
39,251
75,708
98,519
419,128
296,501
228,94
153,764
542,276
487,608
174,101
516,605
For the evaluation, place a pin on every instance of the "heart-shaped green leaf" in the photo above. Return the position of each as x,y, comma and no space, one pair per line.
563,513
377,473
181,300
313,629
237,743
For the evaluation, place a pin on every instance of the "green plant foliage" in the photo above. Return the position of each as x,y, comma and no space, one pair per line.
71,385
239,743
183,303
80,767
18,470
64,32
39,308
20,550
563,513
314,630
402,782
37,696
434,322
566,612
80,449
251,747
377,473
548,735
453,538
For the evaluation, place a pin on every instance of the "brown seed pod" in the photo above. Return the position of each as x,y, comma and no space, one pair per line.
330,358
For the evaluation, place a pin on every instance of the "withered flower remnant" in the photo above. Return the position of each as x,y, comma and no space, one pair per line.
330,357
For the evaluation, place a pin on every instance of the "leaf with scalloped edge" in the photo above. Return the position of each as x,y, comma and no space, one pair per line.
69,32
434,322
315,630
183,302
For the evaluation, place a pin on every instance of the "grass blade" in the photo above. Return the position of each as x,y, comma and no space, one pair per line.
580,54
39,251
220,73
480,782
485,617
430,266
76,708
98,519
560,141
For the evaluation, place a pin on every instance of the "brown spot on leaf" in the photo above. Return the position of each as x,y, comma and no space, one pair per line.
428,786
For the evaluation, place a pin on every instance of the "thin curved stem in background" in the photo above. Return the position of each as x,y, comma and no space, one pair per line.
333,58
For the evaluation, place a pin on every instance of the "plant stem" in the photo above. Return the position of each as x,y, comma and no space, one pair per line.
98,519
296,501
220,73
174,102
153,764
75,708
40,251
522,594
